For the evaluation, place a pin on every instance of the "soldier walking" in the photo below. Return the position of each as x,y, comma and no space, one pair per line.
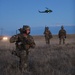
48,35
62,35
23,41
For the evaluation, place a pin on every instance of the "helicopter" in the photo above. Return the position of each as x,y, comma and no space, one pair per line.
46,11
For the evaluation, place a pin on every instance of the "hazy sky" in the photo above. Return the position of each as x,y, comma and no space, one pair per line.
16,13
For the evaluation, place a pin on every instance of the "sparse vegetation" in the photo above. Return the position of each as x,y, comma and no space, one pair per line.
43,60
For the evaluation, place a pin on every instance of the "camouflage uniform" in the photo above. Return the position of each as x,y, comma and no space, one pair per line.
23,43
62,35
48,35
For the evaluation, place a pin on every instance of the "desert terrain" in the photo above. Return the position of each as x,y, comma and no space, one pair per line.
53,59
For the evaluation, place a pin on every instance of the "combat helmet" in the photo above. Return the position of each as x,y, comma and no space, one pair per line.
26,27
46,28
62,27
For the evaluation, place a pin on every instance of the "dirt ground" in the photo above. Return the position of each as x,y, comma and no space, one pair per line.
40,40
53,59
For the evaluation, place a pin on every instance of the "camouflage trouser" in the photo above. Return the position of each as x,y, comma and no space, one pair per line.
47,40
23,62
61,39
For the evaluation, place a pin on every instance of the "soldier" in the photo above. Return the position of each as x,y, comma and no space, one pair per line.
23,41
48,35
62,35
